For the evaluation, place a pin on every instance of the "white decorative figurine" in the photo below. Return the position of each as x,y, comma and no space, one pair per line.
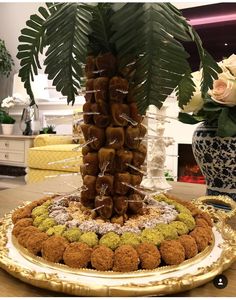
155,178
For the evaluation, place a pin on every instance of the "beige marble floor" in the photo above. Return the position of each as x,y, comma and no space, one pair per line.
7,182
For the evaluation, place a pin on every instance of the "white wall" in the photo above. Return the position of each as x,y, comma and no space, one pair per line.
13,17
180,132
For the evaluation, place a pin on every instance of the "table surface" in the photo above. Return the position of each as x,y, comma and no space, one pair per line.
17,136
11,198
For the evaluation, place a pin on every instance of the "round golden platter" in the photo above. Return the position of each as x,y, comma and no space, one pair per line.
162,281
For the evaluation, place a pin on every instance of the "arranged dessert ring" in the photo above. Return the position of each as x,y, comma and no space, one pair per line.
168,279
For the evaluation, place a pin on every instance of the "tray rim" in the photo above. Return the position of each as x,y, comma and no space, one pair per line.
166,286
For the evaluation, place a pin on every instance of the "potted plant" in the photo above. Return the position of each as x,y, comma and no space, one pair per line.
7,103
6,61
127,56
7,122
214,141
48,130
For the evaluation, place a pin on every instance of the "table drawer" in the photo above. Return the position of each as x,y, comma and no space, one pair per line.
12,145
12,156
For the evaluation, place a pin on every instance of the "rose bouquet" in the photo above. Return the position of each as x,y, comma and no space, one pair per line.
218,106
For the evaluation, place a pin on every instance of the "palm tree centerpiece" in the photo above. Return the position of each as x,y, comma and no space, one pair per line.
127,56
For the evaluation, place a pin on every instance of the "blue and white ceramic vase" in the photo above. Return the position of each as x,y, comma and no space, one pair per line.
216,156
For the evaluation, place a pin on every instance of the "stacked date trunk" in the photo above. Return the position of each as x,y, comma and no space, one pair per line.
112,127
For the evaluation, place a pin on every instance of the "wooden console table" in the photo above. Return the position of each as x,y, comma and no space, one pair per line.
11,198
14,149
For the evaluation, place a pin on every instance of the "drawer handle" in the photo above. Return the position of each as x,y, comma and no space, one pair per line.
6,144
6,156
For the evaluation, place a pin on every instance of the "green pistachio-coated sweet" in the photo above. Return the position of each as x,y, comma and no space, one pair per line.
160,197
130,238
152,236
72,234
89,238
56,230
181,227
182,209
110,240
39,219
38,211
187,219
47,203
169,232
46,224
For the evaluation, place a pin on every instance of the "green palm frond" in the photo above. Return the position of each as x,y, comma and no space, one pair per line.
67,35
185,89
209,67
146,37
126,21
150,37
32,42
100,36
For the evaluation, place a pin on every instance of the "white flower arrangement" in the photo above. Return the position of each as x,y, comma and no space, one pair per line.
12,101
224,88
218,106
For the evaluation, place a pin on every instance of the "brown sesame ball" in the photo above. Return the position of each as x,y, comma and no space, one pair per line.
77,255
192,208
53,248
17,230
34,244
43,200
189,245
205,216
149,256
126,259
25,234
102,258
201,222
31,206
201,236
24,212
172,252
208,232
25,222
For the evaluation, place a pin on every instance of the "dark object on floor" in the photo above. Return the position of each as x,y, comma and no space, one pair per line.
12,170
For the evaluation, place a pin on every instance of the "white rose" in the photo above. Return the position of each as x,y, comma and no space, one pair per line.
196,101
230,63
224,89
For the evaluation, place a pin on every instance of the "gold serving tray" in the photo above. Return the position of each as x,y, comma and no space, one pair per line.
164,280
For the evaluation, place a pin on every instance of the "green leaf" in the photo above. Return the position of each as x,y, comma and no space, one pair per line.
211,107
226,124
232,114
188,119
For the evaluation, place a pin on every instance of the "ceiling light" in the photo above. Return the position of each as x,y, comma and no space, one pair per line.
213,19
